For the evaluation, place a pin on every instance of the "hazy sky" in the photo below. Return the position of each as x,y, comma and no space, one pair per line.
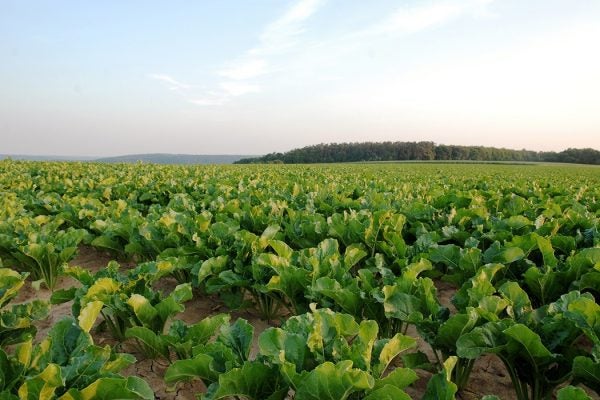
255,76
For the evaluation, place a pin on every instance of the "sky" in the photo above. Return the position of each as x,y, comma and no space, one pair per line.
101,78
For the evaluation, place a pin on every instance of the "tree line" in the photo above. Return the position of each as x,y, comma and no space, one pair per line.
406,151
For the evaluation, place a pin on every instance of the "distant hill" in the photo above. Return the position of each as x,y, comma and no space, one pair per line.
163,158
157,158
425,151
28,157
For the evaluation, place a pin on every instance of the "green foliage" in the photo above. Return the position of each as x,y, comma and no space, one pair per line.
68,365
39,246
16,321
373,244
127,301
538,347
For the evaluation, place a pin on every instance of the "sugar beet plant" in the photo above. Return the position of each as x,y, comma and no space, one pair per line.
39,246
317,355
129,306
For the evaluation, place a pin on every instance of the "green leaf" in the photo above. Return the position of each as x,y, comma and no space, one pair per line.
330,381
202,331
517,222
400,305
253,381
531,343
572,393
417,360
490,307
518,299
66,339
545,285
63,295
152,344
281,346
487,338
347,298
142,308
118,363
547,251
362,345
282,249
354,253
452,329
201,367
172,304
88,314
478,287
43,385
113,388
587,371
470,260
585,313
238,337
448,254
440,387
211,267
589,280
503,255
398,377
388,392
10,283
396,345
108,242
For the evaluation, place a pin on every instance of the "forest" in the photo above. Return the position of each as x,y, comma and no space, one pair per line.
424,151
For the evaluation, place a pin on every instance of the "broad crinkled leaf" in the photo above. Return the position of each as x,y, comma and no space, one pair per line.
238,337
496,253
331,381
587,371
488,338
398,377
200,367
152,343
396,345
253,381
281,346
572,393
440,387
43,385
388,392
133,388
88,314
517,297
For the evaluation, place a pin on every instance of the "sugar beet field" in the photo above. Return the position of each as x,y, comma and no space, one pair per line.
331,282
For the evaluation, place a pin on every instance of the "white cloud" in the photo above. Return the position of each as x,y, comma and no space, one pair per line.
238,88
277,37
280,34
416,19
285,33
247,69
424,16
172,83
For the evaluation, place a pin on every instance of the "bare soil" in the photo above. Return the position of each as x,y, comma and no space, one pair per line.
489,376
